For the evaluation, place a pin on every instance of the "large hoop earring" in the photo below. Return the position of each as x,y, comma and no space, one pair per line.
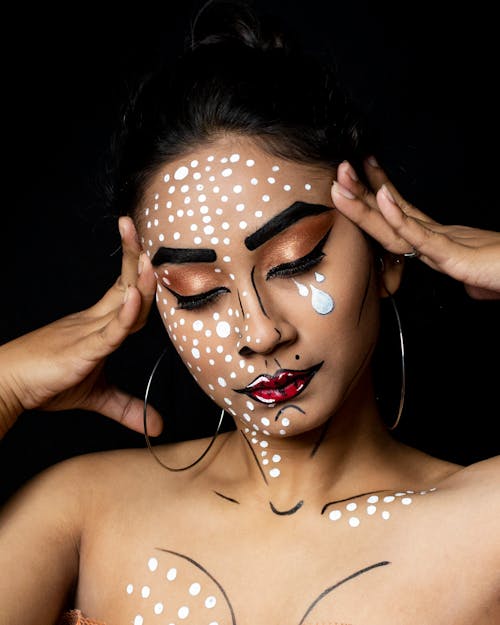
146,435
403,365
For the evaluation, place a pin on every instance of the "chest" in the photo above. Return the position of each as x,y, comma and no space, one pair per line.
206,570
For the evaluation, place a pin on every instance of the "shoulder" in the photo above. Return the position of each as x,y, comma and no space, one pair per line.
478,479
71,485
472,494
103,476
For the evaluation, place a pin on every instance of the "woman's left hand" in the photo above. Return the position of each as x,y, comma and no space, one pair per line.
470,255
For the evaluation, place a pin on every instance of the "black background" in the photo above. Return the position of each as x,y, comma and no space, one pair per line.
427,82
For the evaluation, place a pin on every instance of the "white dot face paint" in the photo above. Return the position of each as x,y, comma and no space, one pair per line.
223,329
181,173
229,299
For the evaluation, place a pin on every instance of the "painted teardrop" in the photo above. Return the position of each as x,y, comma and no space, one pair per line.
321,302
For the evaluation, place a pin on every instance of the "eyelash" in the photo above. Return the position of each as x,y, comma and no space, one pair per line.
301,265
191,302
285,270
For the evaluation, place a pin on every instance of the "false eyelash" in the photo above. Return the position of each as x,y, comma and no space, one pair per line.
294,268
300,265
191,302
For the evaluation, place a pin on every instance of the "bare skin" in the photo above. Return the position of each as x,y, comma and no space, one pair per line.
306,547
442,549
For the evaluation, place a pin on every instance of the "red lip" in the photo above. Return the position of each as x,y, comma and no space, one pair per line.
283,385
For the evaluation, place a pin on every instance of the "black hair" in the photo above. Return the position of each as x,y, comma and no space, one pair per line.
238,74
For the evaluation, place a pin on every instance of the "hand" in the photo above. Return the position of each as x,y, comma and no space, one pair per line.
469,255
60,366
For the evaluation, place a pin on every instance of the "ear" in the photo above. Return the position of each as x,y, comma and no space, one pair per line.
390,273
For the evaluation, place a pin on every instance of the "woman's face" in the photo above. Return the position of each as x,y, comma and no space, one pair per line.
266,291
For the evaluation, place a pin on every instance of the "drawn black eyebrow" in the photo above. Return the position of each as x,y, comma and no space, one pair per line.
278,223
179,255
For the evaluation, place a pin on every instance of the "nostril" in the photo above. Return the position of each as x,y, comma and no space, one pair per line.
245,351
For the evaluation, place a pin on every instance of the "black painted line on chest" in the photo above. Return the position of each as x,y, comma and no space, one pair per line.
372,492
293,510
226,497
342,581
204,570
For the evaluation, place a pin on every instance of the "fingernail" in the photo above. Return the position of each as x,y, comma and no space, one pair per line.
338,188
120,228
350,172
388,194
125,297
372,161
140,265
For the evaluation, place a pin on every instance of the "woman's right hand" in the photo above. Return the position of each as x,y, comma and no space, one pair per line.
60,366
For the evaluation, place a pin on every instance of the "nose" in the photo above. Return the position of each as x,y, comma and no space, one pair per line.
263,327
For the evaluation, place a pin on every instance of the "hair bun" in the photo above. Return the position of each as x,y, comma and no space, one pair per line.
234,22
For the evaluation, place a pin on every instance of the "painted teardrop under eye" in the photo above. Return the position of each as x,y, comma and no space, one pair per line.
321,302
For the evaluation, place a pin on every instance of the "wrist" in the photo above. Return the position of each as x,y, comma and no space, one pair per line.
10,405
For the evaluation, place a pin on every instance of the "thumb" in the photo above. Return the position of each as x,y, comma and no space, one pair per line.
126,409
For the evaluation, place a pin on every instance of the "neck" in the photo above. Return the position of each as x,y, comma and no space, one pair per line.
350,454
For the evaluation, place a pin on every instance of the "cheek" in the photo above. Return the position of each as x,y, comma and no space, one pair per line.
315,289
206,342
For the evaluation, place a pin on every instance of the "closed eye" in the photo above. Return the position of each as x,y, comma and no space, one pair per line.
191,302
300,265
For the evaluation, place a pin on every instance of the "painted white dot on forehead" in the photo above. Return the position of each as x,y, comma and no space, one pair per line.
181,172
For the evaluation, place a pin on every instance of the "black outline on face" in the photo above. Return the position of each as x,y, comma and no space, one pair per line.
365,295
252,277
255,457
329,420
278,414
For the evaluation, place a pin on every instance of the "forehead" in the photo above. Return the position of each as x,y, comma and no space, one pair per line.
223,191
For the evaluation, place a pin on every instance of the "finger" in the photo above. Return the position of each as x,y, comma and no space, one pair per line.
107,338
430,245
477,292
146,285
126,409
377,178
130,252
348,178
371,220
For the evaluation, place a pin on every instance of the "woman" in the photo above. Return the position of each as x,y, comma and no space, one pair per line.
309,511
